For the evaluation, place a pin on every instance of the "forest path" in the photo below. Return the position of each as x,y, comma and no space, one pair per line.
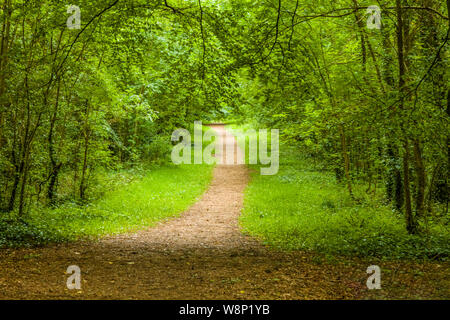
212,222
200,255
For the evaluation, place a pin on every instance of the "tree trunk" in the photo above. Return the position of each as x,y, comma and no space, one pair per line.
55,166
411,225
85,156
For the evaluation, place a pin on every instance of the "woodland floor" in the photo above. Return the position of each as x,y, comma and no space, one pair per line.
203,255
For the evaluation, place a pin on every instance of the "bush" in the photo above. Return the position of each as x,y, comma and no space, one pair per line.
159,150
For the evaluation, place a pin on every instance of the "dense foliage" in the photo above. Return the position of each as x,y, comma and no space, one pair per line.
371,104
107,95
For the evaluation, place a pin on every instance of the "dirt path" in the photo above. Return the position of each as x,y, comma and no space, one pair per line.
211,223
200,255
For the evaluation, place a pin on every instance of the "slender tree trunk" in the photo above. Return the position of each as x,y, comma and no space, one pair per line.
7,11
447,170
85,156
26,167
55,166
411,225
394,183
12,198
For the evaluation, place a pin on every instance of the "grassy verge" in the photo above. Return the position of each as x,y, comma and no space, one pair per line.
162,192
304,208
137,199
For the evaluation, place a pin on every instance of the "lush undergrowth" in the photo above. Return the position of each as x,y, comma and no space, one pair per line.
154,194
305,208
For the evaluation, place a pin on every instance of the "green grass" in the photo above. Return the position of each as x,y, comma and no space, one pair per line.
119,201
303,208
162,192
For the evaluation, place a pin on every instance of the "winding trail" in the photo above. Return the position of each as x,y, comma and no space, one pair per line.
200,255
212,222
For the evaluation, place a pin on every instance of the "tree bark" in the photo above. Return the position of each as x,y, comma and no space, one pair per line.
411,225
55,166
85,156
